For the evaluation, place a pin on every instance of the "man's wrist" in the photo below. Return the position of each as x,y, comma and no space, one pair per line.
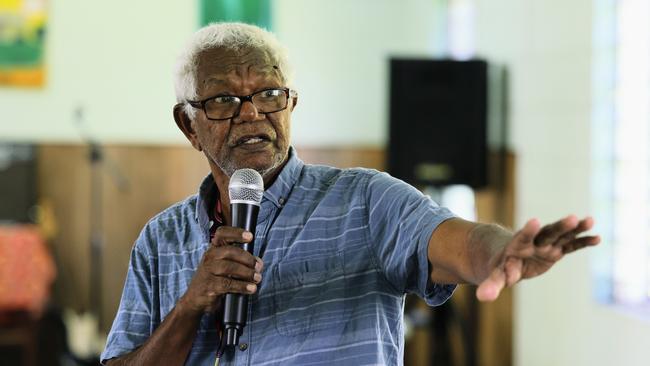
184,308
487,242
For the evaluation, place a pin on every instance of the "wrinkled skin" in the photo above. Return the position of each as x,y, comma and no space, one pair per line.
239,73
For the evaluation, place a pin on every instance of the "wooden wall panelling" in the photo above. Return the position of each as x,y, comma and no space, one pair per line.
64,183
157,177
344,157
497,204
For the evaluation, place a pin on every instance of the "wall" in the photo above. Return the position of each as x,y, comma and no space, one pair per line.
340,50
547,48
115,59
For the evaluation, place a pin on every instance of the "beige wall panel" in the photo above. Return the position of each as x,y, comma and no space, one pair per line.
64,183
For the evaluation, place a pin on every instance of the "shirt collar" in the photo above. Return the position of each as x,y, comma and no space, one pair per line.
277,193
207,193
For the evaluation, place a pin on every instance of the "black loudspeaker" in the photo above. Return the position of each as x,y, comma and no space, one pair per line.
438,122
17,183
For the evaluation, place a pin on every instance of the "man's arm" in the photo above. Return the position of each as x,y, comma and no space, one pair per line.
224,268
492,257
169,344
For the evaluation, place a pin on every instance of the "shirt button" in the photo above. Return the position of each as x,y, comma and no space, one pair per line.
243,347
281,201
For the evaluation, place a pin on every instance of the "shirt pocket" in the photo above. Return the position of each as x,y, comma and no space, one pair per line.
310,295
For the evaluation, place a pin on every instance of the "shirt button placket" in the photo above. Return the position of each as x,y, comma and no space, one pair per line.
243,357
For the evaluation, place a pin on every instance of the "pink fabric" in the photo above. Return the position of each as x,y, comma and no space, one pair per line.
26,269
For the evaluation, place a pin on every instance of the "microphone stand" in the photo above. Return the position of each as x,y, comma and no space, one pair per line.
98,163
95,157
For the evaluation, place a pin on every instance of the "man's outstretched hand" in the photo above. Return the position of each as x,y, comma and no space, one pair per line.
532,251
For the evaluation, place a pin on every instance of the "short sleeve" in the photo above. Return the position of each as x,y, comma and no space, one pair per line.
134,321
401,221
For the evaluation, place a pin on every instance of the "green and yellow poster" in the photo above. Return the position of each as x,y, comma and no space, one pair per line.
22,42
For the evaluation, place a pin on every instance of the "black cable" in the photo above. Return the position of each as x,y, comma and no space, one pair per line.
220,351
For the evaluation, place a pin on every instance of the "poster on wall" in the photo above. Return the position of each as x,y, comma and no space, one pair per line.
257,12
22,42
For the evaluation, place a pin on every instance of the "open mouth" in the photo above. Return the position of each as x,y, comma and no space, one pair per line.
252,139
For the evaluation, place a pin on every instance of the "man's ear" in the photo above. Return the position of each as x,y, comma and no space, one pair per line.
294,102
184,123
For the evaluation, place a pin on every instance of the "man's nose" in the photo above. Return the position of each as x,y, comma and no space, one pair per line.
247,113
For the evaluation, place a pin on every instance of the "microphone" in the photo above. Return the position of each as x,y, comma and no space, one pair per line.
245,189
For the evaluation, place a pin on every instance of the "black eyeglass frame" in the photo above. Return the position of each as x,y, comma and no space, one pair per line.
200,104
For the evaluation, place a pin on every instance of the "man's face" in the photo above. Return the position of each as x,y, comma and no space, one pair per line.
250,139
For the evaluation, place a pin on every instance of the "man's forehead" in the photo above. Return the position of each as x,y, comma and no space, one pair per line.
219,61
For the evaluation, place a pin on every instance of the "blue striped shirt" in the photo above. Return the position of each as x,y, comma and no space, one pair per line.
341,248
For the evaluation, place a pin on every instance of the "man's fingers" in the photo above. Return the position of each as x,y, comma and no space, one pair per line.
523,239
513,268
529,231
549,234
235,270
229,235
226,284
579,243
584,225
259,264
236,254
489,289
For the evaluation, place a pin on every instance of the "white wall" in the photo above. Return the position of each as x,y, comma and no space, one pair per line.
546,46
116,58
340,49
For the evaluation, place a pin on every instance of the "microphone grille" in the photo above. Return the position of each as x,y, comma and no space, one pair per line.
246,186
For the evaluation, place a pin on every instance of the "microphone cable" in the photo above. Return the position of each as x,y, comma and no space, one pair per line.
220,351
222,344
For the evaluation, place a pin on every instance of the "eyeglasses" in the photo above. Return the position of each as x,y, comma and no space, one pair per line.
221,107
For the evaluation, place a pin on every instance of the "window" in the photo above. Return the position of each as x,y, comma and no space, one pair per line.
621,152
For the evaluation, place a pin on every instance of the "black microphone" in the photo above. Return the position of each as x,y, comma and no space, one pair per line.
246,189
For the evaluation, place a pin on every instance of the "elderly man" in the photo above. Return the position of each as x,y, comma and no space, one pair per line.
335,250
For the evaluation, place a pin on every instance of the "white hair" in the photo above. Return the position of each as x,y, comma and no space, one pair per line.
232,36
